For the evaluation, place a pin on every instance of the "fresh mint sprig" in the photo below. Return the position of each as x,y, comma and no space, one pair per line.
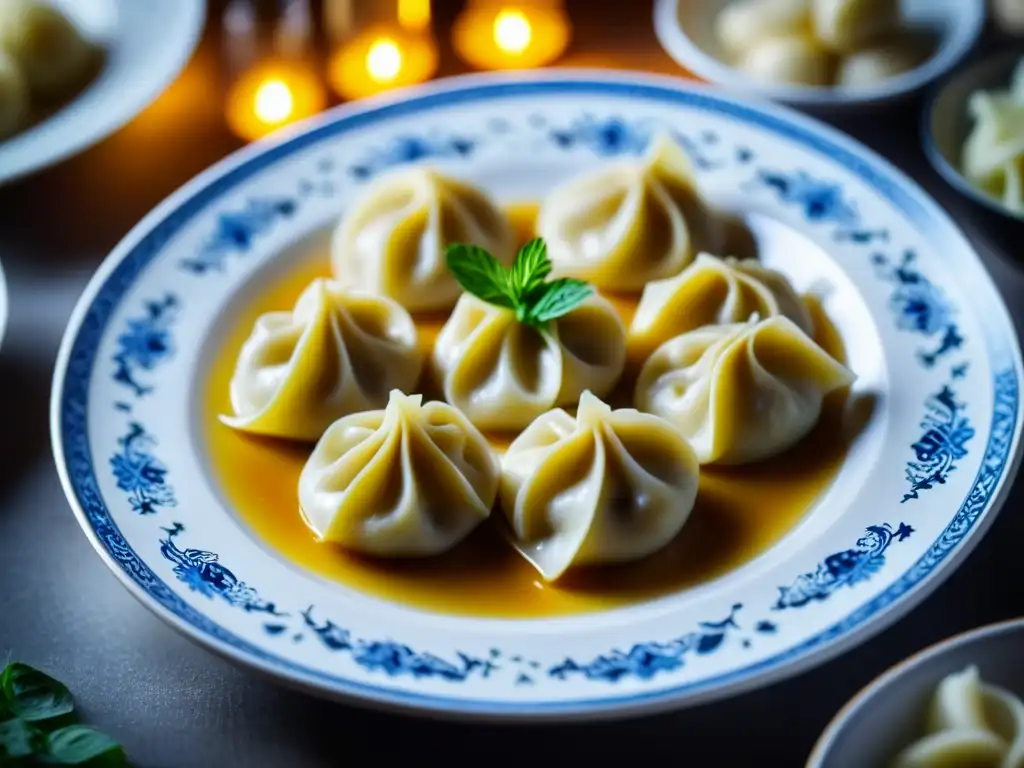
38,724
523,288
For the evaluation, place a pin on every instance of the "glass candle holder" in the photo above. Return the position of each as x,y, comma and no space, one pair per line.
377,45
511,34
271,66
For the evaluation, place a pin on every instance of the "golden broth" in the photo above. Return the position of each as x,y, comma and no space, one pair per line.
740,511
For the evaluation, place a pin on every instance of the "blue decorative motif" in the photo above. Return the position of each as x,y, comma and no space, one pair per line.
140,474
645,660
203,574
409,149
606,137
393,658
236,231
919,306
946,432
843,569
145,343
822,202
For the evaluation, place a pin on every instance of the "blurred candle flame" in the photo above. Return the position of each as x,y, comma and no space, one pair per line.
497,34
512,31
384,60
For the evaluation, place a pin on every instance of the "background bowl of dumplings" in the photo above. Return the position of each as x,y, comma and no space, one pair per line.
820,53
957,703
973,132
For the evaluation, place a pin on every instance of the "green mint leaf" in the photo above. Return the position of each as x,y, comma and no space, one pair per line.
559,298
529,270
20,739
33,695
480,274
80,745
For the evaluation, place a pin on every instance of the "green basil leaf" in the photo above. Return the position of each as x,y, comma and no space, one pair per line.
480,274
20,739
33,695
80,744
559,298
529,270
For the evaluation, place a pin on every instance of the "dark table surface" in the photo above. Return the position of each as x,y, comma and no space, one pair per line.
171,703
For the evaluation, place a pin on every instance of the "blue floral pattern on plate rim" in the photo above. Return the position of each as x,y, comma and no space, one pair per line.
851,566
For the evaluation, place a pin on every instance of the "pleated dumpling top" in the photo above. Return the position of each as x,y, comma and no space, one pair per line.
969,723
713,291
604,487
337,352
502,373
392,242
411,480
740,393
630,222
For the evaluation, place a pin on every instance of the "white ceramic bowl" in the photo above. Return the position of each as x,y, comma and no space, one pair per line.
887,715
947,123
685,29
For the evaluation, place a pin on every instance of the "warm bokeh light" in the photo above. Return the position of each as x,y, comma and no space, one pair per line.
379,59
384,60
512,31
414,14
493,34
273,102
273,95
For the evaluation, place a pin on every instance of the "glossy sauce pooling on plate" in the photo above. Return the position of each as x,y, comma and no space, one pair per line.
484,575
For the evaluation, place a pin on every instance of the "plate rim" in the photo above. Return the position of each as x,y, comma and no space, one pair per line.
195,10
806,654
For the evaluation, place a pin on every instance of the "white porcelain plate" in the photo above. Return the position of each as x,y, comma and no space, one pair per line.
937,359
146,44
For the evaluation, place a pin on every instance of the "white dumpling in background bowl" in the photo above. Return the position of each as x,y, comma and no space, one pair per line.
337,352
740,24
603,487
392,242
847,26
53,54
798,60
629,222
879,62
411,480
14,97
712,291
740,393
503,373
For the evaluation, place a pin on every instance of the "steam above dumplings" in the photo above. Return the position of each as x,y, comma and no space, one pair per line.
712,291
740,393
393,240
608,486
503,373
409,481
969,723
630,222
336,353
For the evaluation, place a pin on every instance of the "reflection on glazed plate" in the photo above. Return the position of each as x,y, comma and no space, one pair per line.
925,330
146,43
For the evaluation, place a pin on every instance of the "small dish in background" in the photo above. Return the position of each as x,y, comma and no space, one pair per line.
890,714
686,30
947,122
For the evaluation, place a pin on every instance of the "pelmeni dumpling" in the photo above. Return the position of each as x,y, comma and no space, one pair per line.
605,487
393,240
53,55
411,480
630,222
741,24
336,353
743,392
799,60
849,25
877,63
502,373
970,723
14,98
712,291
